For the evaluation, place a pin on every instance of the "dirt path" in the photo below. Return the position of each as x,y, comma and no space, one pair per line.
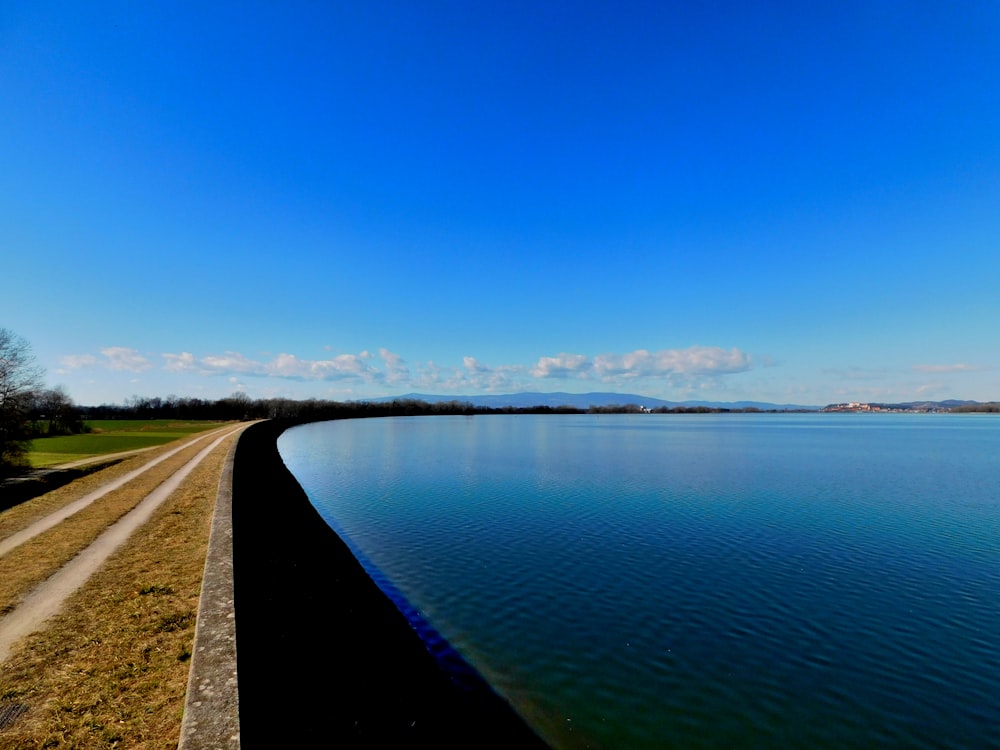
46,523
48,597
101,457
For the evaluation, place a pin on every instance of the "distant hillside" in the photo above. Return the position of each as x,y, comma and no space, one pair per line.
913,406
586,400
926,405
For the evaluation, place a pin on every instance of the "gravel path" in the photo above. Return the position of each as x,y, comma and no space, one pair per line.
46,523
45,600
102,457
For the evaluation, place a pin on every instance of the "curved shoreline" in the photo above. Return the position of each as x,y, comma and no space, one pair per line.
308,616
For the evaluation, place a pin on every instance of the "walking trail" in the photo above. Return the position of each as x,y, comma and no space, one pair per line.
47,598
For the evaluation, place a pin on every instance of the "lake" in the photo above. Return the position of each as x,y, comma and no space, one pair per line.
691,581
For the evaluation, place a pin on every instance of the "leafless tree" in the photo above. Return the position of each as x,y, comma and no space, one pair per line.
20,377
54,413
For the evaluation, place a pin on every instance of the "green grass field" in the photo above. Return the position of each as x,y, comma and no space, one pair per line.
112,436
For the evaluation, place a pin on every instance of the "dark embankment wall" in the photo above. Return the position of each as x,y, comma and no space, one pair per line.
324,658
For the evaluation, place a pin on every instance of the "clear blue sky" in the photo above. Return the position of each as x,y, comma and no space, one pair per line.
787,202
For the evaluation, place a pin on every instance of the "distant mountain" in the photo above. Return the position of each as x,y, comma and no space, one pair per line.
586,400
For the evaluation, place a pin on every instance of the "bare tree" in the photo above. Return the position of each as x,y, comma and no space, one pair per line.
20,377
54,413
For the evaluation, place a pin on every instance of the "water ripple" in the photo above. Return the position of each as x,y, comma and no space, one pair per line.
639,582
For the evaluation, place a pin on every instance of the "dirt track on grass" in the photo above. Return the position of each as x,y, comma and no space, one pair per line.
47,598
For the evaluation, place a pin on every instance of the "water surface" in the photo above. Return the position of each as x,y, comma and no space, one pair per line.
692,580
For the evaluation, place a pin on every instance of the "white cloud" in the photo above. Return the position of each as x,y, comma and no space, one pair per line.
946,368
474,366
473,375
396,370
281,366
183,362
481,376
680,368
287,366
124,358
112,358
428,376
561,366
695,361
497,378
230,362
335,368
78,361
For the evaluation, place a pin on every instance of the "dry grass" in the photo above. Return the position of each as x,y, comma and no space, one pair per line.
26,566
111,670
18,517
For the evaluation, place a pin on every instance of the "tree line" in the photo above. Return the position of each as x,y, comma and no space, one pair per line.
239,406
990,407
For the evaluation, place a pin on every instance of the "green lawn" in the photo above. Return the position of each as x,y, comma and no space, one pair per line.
112,436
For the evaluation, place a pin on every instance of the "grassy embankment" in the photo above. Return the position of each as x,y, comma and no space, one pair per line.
111,436
111,669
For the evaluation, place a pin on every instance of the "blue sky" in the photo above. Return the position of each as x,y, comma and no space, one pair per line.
785,202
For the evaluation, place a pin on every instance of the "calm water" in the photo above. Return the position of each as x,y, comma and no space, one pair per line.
692,581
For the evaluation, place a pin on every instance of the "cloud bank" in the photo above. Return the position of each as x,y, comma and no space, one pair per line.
111,358
389,369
